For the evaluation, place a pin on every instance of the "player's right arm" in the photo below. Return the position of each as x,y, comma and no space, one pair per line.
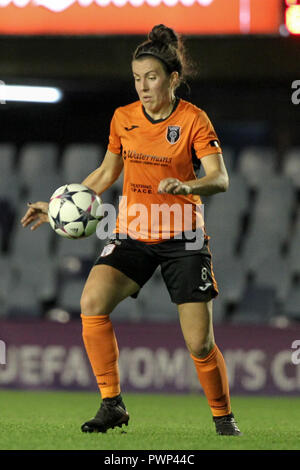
99,180
107,173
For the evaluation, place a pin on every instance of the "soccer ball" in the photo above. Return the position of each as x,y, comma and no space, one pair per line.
74,211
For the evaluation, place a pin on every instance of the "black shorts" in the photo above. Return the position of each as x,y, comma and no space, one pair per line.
188,275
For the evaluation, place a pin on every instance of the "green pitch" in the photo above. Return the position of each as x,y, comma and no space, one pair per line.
52,420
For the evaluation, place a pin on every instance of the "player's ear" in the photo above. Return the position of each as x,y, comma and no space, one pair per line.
174,80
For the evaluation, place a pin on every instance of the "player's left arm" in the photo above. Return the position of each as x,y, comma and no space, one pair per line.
216,179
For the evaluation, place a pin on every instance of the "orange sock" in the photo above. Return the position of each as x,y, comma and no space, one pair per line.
102,350
212,375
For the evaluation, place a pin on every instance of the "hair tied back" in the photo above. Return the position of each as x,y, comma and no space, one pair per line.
164,35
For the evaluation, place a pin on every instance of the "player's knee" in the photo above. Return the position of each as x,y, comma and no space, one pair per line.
93,304
201,348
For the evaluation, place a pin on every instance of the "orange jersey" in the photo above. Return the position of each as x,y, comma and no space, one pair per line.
154,150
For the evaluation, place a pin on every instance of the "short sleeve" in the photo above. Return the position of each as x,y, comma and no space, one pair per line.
114,144
205,140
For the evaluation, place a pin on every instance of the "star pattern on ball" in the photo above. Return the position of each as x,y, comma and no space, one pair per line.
57,223
85,217
67,195
68,222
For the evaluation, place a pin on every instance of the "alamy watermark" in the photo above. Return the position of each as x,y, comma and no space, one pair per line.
296,94
157,221
296,354
2,352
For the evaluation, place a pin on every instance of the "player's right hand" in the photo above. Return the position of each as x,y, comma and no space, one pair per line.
36,211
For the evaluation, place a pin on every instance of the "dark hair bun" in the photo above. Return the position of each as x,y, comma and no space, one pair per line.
163,34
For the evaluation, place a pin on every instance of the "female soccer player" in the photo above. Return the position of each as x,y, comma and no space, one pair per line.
157,140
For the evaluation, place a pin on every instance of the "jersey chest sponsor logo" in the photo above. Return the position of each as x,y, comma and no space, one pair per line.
141,188
173,134
138,157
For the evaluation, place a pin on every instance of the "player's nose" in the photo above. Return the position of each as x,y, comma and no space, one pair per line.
144,85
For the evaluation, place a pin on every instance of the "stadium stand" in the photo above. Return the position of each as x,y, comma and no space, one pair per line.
293,255
257,164
5,267
78,160
254,229
38,171
231,278
154,301
273,272
291,308
128,310
36,160
9,180
80,249
32,267
272,209
291,165
27,245
224,216
257,305
229,158
69,295
8,193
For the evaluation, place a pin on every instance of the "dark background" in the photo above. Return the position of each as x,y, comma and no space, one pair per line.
243,83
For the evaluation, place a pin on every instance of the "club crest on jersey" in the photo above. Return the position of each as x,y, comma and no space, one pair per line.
173,134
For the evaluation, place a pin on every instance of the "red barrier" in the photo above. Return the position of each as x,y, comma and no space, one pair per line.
139,16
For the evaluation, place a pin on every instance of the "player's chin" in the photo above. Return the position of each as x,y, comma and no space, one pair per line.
148,104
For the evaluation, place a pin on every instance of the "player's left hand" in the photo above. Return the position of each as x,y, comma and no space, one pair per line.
36,211
174,186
